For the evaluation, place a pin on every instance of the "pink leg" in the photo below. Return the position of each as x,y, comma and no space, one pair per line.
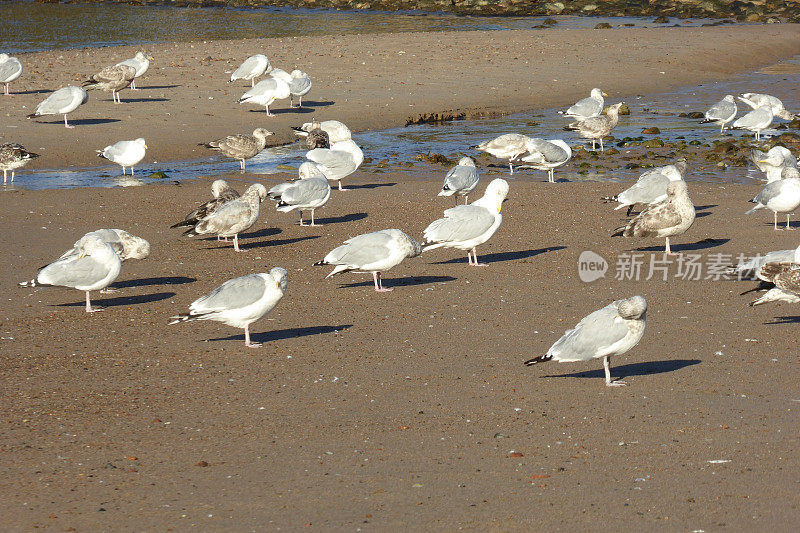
236,243
6,91
340,186
247,338
133,85
89,308
376,276
475,254
312,219
300,102
787,214
268,113
301,219
775,221
253,82
5,176
609,383
66,124
131,171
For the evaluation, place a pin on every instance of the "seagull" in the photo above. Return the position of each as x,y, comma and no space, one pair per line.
339,161
782,196
309,193
667,218
125,153
595,128
756,121
317,138
12,157
752,267
722,112
374,252
466,226
651,187
94,266
547,155
140,63
298,81
756,100
10,70
252,67
785,276
112,79
509,146
336,130
773,162
241,146
61,102
222,192
265,92
233,217
608,332
588,107
461,179
240,301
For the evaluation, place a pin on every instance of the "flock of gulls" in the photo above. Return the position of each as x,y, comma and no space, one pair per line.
95,260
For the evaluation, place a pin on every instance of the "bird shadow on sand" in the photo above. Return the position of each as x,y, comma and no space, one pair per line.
352,217
81,121
401,282
785,320
145,282
704,207
33,91
123,300
290,333
794,224
633,369
135,100
263,232
315,103
504,256
678,248
701,215
158,87
370,185
276,242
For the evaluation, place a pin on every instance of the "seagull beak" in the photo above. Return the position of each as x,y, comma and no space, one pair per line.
605,94
762,161
81,255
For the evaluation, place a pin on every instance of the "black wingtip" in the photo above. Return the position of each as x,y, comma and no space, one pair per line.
318,263
619,232
536,360
32,115
190,233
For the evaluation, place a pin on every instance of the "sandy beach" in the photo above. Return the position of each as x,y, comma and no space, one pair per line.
403,410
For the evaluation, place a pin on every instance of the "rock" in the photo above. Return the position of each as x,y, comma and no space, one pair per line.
549,22
603,26
693,115
651,131
435,159
158,176
589,8
612,151
623,110
554,7
661,20
653,143
286,168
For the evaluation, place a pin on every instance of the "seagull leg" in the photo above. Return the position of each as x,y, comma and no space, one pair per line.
378,285
607,366
510,168
268,113
5,176
551,174
475,254
133,85
236,243
340,186
593,145
12,176
66,124
6,91
131,171
247,338
301,219
722,128
300,102
667,249
787,214
312,219
601,145
89,308
775,220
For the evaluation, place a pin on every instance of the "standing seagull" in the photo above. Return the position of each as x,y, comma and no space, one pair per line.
12,157
672,216
466,226
338,161
785,275
756,121
241,146
252,67
265,92
233,217
299,86
756,100
139,63
222,192
651,187
374,252
722,112
10,70
608,332
595,128
125,153
773,162
588,107
309,193
240,301
782,196
547,155
508,146
337,131
112,79
64,100
461,179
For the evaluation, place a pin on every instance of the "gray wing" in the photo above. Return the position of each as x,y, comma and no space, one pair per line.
333,163
118,149
306,191
9,68
233,294
769,192
461,177
595,332
300,86
587,107
460,223
73,271
53,104
753,118
549,151
360,250
722,110
650,187
249,67
262,87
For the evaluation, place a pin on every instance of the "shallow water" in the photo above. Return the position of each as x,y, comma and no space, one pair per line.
28,26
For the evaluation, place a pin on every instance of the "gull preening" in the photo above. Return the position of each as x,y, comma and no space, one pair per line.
587,107
10,70
222,192
336,130
310,192
240,301
461,179
374,252
241,146
781,196
651,187
722,112
299,86
114,79
125,153
464,227
233,217
667,218
61,102
608,332
339,161
773,161
756,120
140,63
509,146
595,128
756,100
547,155
252,67
266,92
12,157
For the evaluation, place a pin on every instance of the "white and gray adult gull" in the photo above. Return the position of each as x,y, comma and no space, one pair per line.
241,146
140,64
781,196
10,70
266,92
299,86
722,112
12,157
336,130
374,252
464,227
461,179
309,193
773,161
587,107
240,301
547,155
509,146
339,161
595,128
62,102
233,217
651,187
756,121
756,100
251,68
125,153
608,332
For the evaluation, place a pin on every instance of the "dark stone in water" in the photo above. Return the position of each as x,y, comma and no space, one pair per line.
653,143
693,115
435,118
158,176
603,26
435,159
661,20
651,131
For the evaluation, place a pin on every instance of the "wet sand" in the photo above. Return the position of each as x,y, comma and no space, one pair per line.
404,410
369,81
